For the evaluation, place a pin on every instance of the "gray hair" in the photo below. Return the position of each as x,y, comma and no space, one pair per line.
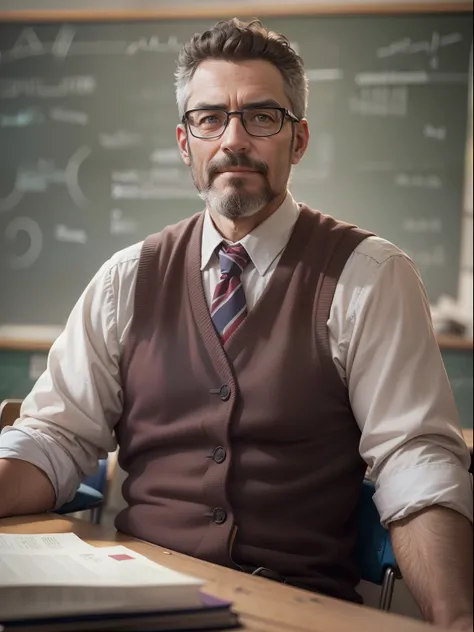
233,40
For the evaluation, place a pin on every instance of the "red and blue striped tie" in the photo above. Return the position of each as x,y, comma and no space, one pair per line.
229,308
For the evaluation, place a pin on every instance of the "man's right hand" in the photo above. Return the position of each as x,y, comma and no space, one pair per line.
24,489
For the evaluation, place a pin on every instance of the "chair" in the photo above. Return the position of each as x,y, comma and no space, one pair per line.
374,553
90,494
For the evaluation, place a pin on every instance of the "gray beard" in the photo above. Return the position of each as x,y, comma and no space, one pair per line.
236,204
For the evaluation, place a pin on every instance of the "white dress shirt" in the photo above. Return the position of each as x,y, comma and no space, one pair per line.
382,343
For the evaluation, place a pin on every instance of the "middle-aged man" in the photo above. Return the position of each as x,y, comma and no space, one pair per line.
253,360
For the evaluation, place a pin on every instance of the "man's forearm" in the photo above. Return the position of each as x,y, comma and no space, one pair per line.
434,550
24,489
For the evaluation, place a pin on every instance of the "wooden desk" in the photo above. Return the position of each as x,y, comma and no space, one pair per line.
263,605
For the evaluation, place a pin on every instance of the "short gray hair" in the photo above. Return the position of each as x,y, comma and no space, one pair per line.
233,40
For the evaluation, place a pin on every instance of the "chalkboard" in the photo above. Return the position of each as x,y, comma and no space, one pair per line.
89,164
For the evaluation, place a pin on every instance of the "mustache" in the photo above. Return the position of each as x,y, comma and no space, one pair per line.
235,160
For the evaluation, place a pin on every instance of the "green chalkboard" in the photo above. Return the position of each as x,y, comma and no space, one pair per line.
19,370
88,158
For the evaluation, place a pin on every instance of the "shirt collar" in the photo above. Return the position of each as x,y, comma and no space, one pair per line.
263,244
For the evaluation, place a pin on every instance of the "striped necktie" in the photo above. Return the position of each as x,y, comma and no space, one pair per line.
229,308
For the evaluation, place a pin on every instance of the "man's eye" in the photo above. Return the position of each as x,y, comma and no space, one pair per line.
208,120
262,117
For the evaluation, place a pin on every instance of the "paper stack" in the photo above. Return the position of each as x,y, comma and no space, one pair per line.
57,582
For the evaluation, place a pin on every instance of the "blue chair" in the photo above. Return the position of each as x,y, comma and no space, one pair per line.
374,553
90,495
86,498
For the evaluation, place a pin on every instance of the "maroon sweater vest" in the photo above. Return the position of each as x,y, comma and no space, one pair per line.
245,455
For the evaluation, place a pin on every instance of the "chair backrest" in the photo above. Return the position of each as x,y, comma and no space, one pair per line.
374,551
9,412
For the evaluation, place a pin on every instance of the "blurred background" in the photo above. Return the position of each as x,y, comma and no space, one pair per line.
89,163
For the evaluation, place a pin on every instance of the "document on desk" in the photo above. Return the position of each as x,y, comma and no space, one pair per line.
27,543
50,576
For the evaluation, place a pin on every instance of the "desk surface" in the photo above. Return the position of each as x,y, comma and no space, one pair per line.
263,605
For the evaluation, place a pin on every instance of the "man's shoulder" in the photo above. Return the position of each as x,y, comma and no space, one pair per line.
128,255
362,243
378,250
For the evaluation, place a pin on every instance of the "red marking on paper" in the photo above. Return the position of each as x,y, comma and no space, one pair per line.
120,557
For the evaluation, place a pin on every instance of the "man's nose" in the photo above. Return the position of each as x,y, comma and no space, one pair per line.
235,137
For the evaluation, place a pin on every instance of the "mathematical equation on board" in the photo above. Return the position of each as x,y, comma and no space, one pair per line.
374,95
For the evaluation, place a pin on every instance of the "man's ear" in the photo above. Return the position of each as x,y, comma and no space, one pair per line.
300,141
182,139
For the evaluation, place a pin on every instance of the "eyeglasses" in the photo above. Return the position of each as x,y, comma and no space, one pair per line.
260,122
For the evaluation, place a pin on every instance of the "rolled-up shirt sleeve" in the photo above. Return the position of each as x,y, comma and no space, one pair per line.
67,420
400,394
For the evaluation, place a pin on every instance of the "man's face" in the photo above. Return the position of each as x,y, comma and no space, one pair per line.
237,174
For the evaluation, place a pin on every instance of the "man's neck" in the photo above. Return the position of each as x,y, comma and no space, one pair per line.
236,229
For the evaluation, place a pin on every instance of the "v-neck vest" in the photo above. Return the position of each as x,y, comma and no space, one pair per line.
243,454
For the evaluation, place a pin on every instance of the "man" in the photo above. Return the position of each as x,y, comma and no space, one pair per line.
252,361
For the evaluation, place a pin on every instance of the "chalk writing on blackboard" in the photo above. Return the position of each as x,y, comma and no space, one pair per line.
153,44
70,235
13,231
120,139
409,77
430,47
72,175
413,77
384,101
27,45
434,132
39,176
63,115
23,118
418,180
324,74
165,156
38,88
62,44
157,183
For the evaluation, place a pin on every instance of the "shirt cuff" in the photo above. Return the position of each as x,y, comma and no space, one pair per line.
399,494
22,444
